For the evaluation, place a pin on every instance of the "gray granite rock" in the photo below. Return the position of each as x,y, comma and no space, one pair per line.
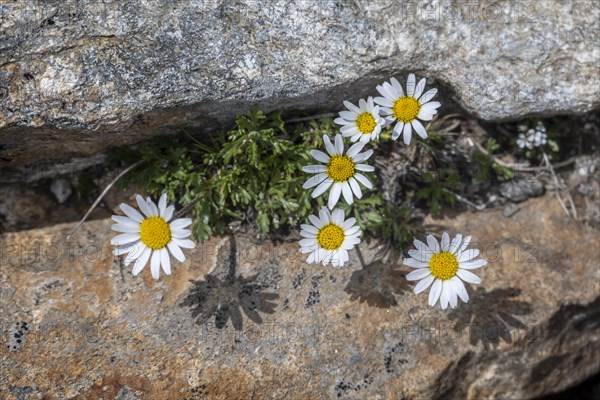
78,77
521,189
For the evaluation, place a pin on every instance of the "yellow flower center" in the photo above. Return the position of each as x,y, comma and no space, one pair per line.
443,265
331,237
340,168
406,109
155,232
365,123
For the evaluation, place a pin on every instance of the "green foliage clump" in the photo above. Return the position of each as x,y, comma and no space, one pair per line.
487,167
252,173
437,190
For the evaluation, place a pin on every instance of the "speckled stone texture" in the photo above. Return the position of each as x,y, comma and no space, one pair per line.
78,77
263,324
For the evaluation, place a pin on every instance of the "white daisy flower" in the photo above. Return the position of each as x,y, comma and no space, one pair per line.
329,237
446,265
362,123
148,236
396,106
340,172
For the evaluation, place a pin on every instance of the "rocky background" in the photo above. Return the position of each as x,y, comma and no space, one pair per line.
247,318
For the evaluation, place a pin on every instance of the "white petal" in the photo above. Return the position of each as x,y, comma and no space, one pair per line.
136,252
127,228
460,289
125,238
468,276
391,91
407,133
362,179
451,293
410,85
334,195
353,231
419,274
337,216
435,292
419,128
120,250
168,213
339,144
181,233
420,245
316,221
348,115
308,242
320,156
162,204
445,297
176,251
355,187
362,156
396,85
411,262
427,96
180,223
351,107
456,242
165,260
355,149
143,205
433,244
324,215
419,89
309,229
322,188
424,284
314,180
384,101
347,193
185,243
349,223
140,263
125,220
398,130
132,213
328,145
445,241
468,255
465,243
314,169
152,207
365,167
155,264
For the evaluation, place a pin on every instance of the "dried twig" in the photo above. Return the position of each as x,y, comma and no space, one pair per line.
466,201
187,208
560,187
108,187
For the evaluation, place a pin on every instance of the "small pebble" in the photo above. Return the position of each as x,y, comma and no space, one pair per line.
510,210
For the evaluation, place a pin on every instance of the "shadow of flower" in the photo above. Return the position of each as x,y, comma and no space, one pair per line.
225,296
377,284
490,316
226,299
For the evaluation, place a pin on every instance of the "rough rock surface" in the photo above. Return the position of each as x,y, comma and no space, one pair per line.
77,77
270,326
